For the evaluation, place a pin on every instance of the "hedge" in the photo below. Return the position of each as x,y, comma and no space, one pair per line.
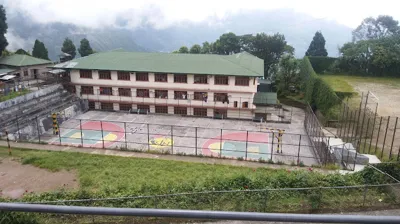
317,92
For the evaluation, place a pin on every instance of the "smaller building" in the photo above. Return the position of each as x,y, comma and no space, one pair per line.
64,57
24,67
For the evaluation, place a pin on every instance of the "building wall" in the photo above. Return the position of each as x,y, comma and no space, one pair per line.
41,69
240,94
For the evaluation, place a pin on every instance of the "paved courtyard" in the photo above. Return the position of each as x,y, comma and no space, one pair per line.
188,135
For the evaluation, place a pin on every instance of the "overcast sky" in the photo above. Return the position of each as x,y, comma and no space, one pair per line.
164,12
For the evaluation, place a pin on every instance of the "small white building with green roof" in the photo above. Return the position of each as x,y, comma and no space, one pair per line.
204,85
24,67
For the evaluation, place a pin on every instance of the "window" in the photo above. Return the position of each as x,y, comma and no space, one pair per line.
245,105
221,97
242,81
221,112
161,109
107,106
140,76
143,107
123,75
200,79
180,110
25,72
86,74
160,77
180,78
125,107
235,104
92,105
200,96
201,112
180,95
124,92
221,80
142,93
104,75
162,94
106,91
87,89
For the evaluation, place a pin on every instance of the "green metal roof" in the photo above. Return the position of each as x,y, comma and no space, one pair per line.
4,71
241,64
262,98
19,60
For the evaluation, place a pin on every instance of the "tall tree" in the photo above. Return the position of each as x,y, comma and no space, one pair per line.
39,50
183,50
317,46
206,49
288,73
195,49
69,47
229,43
372,28
3,29
22,51
85,49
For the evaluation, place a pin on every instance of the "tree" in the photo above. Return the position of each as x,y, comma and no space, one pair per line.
22,51
371,28
39,50
228,44
3,29
6,52
317,46
183,50
69,47
195,49
85,49
206,49
288,73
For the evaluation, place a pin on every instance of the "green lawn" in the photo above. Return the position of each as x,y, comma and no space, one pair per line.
13,95
337,79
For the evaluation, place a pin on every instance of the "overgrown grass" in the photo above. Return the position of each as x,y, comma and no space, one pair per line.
13,95
338,83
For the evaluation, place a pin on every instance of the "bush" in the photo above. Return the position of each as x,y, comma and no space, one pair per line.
322,64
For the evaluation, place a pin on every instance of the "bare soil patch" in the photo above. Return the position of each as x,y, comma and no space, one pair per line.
17,179
389,97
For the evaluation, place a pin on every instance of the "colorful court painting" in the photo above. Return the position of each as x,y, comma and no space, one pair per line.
160,142
92,134
234,146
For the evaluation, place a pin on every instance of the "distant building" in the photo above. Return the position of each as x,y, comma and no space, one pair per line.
64,57
23,67
205,85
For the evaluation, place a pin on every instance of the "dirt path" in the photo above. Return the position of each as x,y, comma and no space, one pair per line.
17,179
389,97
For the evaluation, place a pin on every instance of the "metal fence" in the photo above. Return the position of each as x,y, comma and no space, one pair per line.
287,200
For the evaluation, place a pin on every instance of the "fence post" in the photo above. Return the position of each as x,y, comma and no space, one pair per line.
327,151
37,126
220,145
355,159
102,134
195,134
398,154
366,136
59,132
298,152
373,129
172,139
377,138
126,143
384,139
148,137
19,134
272,147
362,123
247,142
394,135
265,200
8,144
80,127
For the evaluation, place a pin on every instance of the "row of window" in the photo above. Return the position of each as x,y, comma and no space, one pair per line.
162,77
202,112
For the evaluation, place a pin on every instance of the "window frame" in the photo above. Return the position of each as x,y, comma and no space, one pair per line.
164,94
159,77
123,91
224,112
179,110
142,74
121,75
200,112
146,93
104,74
200,96
92,105
242,81
179,95
125,106
143,107
105,93
220,80
218,97
103,104
201,78
91,92
245,104
161,109
180,78
85,74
